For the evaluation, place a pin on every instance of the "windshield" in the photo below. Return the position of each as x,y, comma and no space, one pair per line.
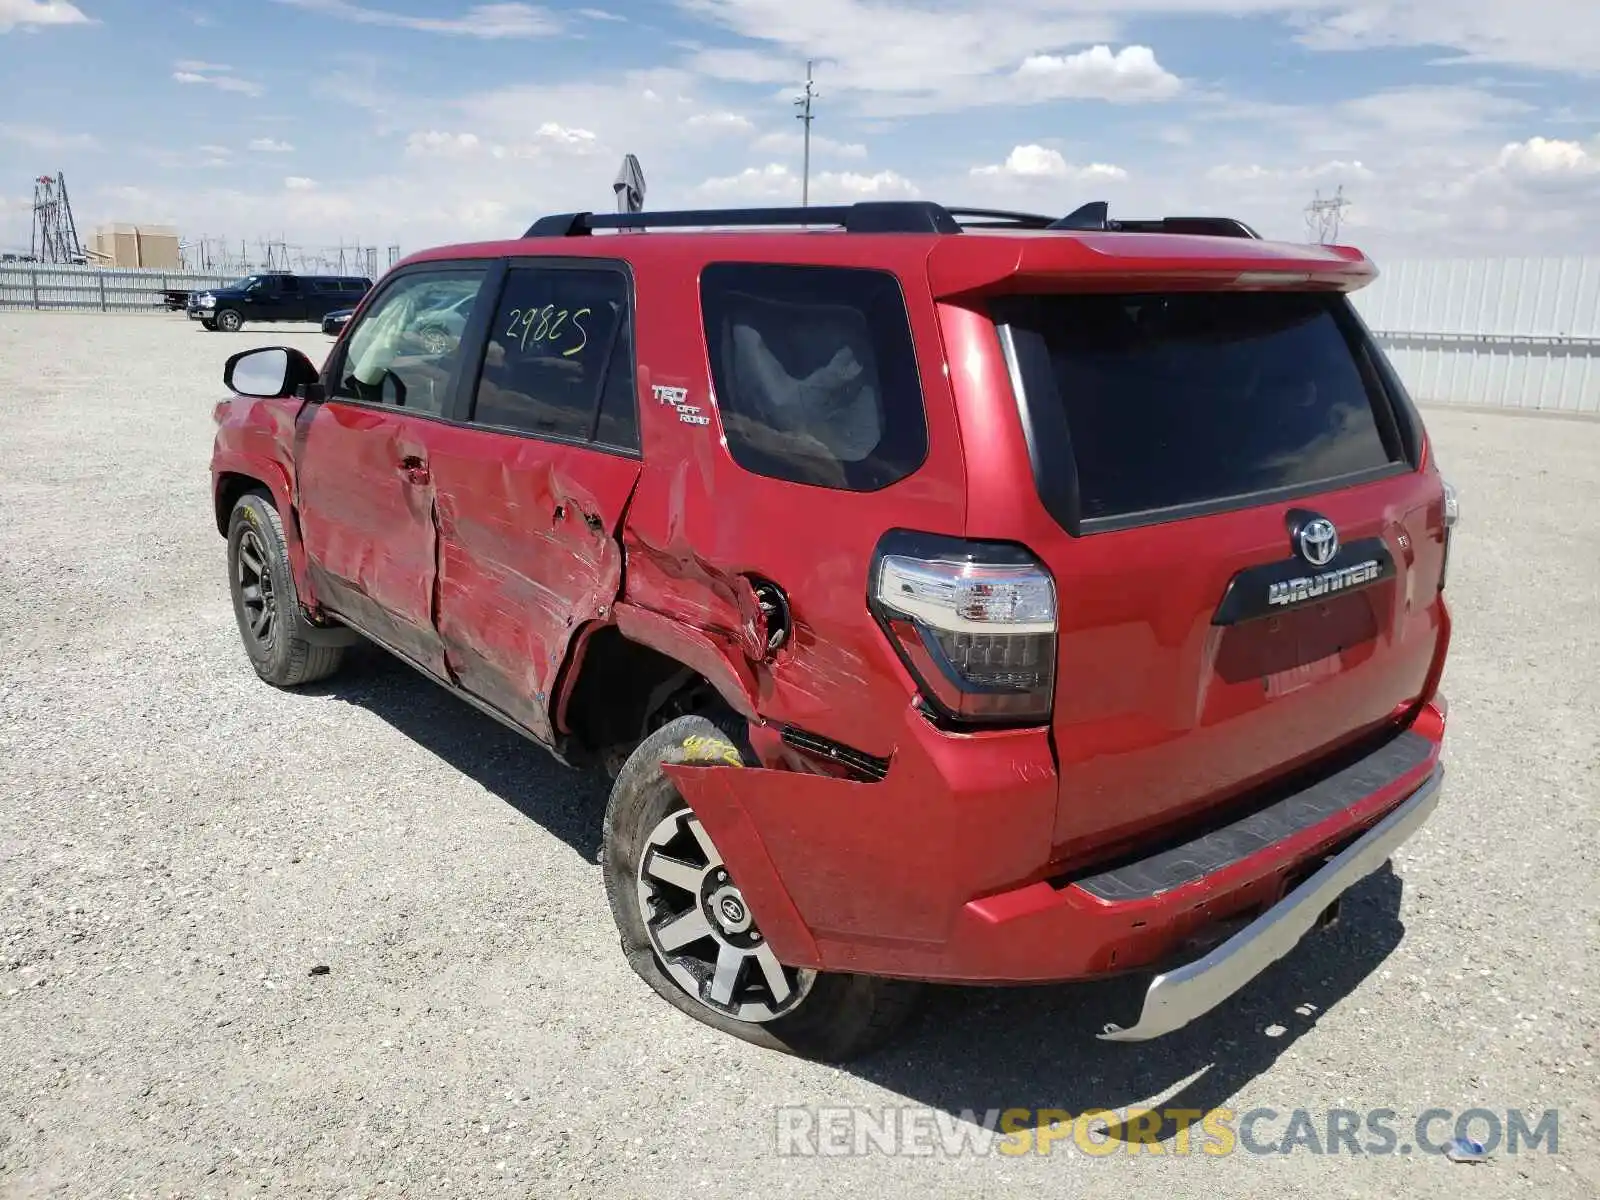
239,285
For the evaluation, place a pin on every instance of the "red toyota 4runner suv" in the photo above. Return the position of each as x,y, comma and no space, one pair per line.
953,595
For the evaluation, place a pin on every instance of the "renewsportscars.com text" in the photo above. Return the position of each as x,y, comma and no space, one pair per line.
914,1131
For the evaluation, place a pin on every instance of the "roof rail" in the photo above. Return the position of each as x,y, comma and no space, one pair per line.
867,216
880,216
999,218
1097,215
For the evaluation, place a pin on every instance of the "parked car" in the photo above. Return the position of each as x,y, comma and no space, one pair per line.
333,324
952,595
276,297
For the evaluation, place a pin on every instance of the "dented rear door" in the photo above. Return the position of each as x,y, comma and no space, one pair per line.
531,490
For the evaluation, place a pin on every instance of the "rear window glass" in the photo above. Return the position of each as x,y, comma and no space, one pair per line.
1187,398
815,372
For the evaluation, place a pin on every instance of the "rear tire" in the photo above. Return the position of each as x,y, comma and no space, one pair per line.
825,1016
271,623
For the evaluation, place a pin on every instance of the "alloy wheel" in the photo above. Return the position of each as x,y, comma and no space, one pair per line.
702,930
255,588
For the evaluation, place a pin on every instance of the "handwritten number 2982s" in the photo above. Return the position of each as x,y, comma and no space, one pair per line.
547,324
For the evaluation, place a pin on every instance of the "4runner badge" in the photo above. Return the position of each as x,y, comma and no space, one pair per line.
689,414
1297,591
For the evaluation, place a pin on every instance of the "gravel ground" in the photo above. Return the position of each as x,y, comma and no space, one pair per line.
180,845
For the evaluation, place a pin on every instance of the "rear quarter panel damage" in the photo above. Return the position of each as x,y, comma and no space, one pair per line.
701,526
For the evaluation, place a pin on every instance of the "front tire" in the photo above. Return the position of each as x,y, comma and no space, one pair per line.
229,320
687,932
265,602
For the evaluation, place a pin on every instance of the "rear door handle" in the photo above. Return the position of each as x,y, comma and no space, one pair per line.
414,469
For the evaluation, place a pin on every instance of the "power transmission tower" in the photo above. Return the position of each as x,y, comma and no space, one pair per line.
804,116
55,233
1323,217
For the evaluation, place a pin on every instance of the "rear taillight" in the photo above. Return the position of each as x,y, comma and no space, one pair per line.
974,623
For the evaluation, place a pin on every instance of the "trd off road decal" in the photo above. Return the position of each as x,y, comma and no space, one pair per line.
678,398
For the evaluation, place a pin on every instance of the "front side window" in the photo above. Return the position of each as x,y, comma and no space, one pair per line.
405,350
815,373
558,345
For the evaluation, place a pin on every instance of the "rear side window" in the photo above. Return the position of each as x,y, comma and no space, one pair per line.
815,373
558,347
1144,404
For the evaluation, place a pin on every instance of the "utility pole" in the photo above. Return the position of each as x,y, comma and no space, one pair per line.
804,116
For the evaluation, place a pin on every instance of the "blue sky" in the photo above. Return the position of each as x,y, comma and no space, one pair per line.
1455,126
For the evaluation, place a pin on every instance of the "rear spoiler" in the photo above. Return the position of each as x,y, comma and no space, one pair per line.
1137,259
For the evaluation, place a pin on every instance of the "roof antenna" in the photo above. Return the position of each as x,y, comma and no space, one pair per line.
1094,215
629,186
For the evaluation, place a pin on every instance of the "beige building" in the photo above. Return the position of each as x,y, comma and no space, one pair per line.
123,245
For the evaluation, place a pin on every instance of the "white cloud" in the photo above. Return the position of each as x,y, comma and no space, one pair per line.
487,21
725,122
36,137
562,135
1335,172
1548,156
195,64
599,14
895,59
550,139
299,183
788,142
1130,74
35,14
266,145
1551,34
434,143
1033,162
778,182
190,72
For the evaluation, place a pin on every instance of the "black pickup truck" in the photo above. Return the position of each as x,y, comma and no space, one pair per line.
276,297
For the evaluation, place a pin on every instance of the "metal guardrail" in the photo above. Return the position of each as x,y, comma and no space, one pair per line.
47,287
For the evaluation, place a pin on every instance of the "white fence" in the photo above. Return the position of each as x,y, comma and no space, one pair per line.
93,289
1505,333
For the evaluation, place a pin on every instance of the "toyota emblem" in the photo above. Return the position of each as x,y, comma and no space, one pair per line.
1318,541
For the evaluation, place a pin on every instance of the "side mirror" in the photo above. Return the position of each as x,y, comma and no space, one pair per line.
269,373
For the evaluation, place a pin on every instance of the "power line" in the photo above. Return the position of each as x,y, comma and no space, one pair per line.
55,233
1323,217
804,116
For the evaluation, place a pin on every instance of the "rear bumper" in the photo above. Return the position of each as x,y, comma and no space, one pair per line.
941,871
1177,997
